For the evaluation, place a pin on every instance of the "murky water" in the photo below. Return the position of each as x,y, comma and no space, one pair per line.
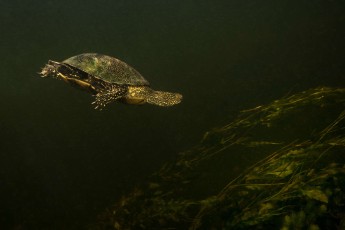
62,162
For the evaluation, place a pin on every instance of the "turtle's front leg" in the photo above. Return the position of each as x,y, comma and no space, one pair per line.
108,95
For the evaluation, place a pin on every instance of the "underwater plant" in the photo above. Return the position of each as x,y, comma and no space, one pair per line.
295,149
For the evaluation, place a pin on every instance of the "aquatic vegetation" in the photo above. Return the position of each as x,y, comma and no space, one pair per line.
296,180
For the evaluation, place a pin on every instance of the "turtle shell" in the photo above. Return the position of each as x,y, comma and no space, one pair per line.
108,69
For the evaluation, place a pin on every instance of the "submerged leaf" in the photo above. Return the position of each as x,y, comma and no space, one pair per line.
316,195
283,170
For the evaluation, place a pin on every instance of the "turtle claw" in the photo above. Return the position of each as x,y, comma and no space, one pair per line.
98,104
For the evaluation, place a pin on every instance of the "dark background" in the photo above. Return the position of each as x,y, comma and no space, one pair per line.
62,162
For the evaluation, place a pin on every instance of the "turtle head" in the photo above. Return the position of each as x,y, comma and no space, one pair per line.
50,69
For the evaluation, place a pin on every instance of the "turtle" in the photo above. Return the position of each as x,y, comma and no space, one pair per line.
108,79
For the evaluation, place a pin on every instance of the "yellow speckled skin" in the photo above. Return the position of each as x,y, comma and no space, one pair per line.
142,94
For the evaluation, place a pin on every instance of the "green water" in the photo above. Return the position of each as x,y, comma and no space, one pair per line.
62,162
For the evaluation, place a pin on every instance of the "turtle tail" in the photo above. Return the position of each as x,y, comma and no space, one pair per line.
163,98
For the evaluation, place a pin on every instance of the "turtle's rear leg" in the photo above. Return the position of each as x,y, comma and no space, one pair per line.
155,97
163,98
106,96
